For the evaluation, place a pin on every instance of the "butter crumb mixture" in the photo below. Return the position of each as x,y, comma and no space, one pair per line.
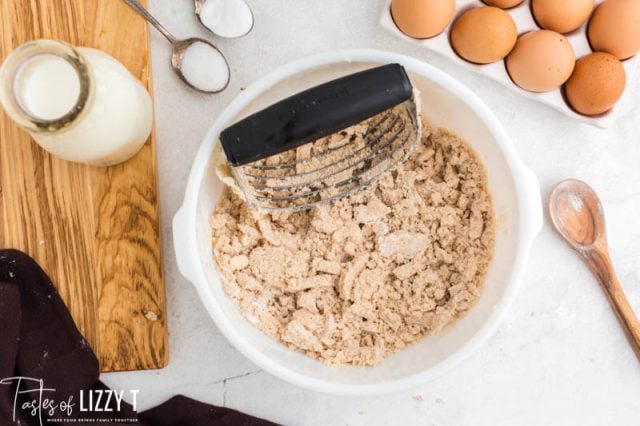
360,278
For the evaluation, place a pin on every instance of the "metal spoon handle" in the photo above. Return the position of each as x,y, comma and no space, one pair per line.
600,264
153,21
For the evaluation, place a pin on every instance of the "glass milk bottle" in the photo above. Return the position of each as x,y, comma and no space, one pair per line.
79,104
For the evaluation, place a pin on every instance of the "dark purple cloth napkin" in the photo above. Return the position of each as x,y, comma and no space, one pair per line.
39,341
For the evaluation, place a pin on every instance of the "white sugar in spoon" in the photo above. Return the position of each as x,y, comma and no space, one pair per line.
225,18
196,61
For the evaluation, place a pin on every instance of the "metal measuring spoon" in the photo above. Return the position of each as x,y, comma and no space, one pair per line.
180,48
577,214
225,18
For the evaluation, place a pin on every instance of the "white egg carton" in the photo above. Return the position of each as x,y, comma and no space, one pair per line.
497,71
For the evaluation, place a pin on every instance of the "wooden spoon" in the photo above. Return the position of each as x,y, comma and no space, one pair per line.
577,214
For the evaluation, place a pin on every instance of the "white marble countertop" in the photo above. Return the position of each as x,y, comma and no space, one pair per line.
559,357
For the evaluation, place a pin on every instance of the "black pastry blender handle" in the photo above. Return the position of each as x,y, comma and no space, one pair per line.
315,113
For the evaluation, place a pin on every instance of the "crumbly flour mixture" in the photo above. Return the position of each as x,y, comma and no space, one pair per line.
363,277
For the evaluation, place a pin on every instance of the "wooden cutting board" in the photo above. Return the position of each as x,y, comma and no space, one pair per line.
95,231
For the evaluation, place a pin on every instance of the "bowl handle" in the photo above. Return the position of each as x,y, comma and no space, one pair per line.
184,249
533,202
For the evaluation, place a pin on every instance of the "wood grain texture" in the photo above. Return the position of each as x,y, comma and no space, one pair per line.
94,230
577,214
599,261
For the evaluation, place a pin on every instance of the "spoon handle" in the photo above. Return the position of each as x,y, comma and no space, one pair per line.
153,21
600,264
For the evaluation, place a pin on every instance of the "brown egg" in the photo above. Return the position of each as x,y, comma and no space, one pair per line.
422,18
561,16
541,61
596,84
505,4
615,28
484,35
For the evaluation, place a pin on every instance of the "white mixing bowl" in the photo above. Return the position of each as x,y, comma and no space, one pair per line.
446,103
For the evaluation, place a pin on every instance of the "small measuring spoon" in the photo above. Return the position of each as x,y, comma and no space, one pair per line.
190,57
225,18
578,216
